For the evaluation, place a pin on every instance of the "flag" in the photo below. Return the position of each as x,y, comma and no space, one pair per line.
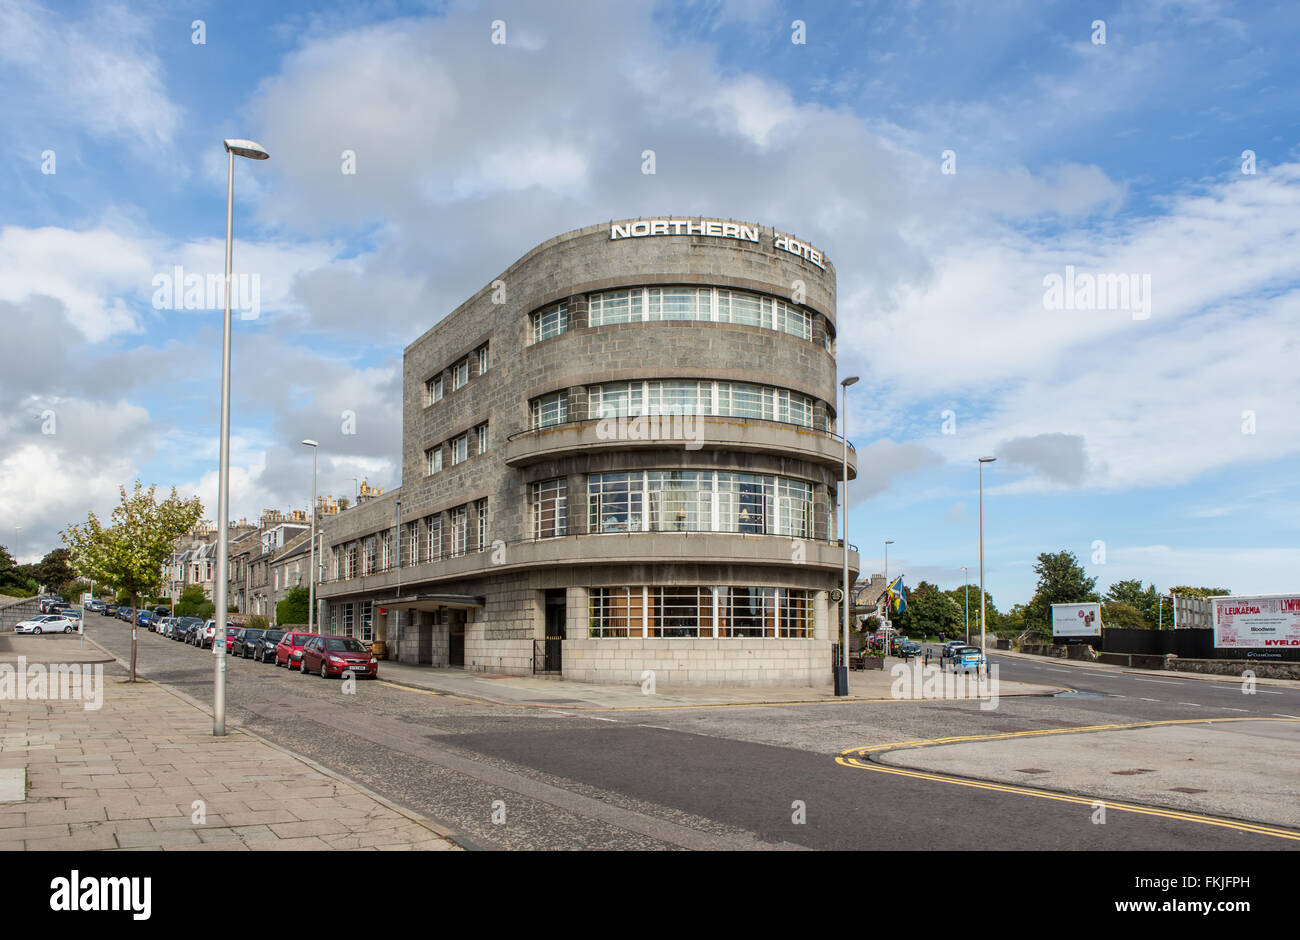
897,595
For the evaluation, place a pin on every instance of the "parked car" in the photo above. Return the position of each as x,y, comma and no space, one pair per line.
144,618
909,649
124,613
184,629
110,609
162,611
264,648
46,623
46,601
288,652
248,640
333,655
232,637
161,624
967,659
948,648
203,636
95,606
895,642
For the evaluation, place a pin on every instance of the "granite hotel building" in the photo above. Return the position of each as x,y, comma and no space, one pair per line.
618,456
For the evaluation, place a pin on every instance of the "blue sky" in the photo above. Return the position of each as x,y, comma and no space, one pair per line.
1168,442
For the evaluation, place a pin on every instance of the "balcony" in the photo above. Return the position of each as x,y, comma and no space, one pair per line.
606,549
705,432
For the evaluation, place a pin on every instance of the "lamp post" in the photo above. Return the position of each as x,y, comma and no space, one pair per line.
842,670
311,589
983,461
253,151
888,629
965,574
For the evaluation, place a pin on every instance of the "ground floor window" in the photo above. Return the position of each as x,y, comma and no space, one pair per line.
687,611
347,619
367,623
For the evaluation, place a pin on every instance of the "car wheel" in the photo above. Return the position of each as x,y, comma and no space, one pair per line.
323,673
68,629
36,630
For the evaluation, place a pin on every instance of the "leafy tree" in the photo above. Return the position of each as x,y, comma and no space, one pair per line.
258,622
929,611
193,602
129,554
1146,601
295,608
1126,616
55,572
344,503
1061,580
992,619
15,579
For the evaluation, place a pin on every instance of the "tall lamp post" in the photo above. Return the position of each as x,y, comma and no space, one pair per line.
965,575
842,669
888,629
311,589
253,151
983,461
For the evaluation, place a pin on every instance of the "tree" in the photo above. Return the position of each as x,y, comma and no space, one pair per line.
14,578
344,503
929,612
193,602
1123,615
1146,602
992,619
1061,580
295,607
129,554
55,572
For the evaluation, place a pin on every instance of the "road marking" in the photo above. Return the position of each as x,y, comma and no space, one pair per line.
1268,691
598,718
1161,681
856,757
1193,704
1149,700
1231,709
1297,718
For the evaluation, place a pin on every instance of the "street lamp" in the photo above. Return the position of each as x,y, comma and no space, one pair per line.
965,576
253,151
983,461
842,670
311,590
888,542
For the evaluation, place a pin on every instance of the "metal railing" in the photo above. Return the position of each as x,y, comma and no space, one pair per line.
577,421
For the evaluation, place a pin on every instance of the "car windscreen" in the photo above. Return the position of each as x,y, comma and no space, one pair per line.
252,634
273,635
347,645
300,638
969,650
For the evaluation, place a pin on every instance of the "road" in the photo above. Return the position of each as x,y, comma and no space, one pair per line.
699,778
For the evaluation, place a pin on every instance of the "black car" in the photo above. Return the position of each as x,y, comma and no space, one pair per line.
909,649
264,648
184,629
246,643
110,610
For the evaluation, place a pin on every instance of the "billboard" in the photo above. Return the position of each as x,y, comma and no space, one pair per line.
1259,622
1076,620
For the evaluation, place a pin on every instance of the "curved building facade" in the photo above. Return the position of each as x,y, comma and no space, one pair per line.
618,457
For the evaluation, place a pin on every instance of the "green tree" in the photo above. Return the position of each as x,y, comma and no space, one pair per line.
1144,600
295,607
1061,580
929,612
55,572
193,602
15,581
1126,616
129,553
961,596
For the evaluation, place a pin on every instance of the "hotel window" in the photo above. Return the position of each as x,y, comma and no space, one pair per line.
743,308
678,303
433,457
615,501
459,530
367,623
550,508
619,306
433,538
481,439
550,409
460,374
670,397
699,501
460,449
277,579
481,524
386,551
550,322
482,354
700,611
695,303
352,559
334,618
347,619
433,390
369,557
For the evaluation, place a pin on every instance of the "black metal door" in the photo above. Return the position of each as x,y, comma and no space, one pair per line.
555,618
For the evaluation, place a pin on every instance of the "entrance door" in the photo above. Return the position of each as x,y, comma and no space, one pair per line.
455,638
555,620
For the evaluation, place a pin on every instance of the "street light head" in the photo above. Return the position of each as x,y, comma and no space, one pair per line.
247,148
851,380
889,541
309,442
987,459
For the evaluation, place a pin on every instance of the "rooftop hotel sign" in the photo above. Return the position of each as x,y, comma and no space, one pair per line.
644,228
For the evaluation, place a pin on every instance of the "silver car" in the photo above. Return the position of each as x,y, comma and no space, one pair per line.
47,623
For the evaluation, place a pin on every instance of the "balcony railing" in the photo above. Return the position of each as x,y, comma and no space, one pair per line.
809,429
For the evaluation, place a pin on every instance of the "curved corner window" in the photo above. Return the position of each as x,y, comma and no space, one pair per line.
550,322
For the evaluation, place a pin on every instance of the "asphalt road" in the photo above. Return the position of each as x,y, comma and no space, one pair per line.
699,778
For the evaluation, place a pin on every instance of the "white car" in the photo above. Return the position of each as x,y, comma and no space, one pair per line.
47,623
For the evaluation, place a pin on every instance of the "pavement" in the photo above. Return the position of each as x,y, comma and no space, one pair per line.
1203,766
143,771
871,685
1129,670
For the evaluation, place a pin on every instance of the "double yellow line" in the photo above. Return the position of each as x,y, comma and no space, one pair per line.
857,757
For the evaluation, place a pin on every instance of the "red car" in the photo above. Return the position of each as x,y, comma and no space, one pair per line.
333,655
232,634
288,652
